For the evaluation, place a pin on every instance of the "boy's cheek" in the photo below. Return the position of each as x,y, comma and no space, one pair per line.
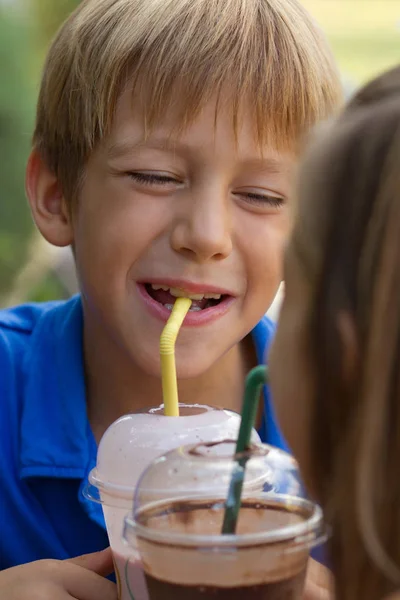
266,263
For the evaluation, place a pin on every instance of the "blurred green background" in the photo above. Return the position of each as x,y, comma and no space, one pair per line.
365,36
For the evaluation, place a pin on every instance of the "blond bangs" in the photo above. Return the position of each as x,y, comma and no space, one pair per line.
269,54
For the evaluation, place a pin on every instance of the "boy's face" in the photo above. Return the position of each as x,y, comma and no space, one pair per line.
199,211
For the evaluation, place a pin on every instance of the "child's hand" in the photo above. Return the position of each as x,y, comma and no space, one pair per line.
81,578
319,582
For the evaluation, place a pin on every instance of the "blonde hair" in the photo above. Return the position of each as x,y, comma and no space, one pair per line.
347,242
267,52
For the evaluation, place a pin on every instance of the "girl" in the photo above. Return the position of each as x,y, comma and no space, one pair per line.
335,363
384,86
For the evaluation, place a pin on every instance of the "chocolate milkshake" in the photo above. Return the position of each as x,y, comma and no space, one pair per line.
272,569
183,553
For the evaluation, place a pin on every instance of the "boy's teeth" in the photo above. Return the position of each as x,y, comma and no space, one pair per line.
178,293
191,309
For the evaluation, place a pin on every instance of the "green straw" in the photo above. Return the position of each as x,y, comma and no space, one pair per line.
254,381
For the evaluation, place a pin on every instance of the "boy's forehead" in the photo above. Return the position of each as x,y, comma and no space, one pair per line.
213,125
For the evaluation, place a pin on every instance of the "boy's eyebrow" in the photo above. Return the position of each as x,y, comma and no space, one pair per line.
266,164
126,147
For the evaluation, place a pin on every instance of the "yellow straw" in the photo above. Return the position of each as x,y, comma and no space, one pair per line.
167,355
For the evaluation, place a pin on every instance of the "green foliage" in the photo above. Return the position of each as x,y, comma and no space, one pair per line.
23,43
48,16
48,289
365,35
15,130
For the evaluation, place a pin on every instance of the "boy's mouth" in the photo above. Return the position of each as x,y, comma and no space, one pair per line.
166,296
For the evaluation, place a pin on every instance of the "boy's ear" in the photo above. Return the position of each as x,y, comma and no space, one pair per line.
48,205
349,342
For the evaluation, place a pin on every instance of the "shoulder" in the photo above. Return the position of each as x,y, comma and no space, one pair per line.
18,326
30,336
22,319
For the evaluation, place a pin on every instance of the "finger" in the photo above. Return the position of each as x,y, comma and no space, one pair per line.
319,583
318,573
316,592
83,584
97,562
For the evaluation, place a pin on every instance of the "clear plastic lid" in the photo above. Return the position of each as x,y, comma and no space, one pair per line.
180,498
132,442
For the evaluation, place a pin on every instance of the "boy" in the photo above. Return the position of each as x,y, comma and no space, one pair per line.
165,137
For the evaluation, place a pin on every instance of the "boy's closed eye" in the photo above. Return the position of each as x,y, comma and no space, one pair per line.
165,181
266,200
147,178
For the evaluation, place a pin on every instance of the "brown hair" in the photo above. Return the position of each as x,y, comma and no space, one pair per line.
267,52
384,86
347,240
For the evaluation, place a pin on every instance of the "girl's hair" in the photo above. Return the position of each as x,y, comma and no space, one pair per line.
347,240
384,86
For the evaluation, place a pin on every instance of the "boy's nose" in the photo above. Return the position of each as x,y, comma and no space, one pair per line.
203,231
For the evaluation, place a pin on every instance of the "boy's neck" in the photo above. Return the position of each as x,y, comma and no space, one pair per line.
116,387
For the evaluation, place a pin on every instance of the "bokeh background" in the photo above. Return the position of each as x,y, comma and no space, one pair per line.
365,36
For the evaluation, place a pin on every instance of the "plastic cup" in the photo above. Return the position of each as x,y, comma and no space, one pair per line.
175,527
128,446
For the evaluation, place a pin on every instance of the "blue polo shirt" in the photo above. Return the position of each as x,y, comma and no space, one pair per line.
46,444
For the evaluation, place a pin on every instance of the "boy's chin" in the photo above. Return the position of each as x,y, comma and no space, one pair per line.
187,367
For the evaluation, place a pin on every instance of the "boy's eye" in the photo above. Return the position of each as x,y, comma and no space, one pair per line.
262,200
153,179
